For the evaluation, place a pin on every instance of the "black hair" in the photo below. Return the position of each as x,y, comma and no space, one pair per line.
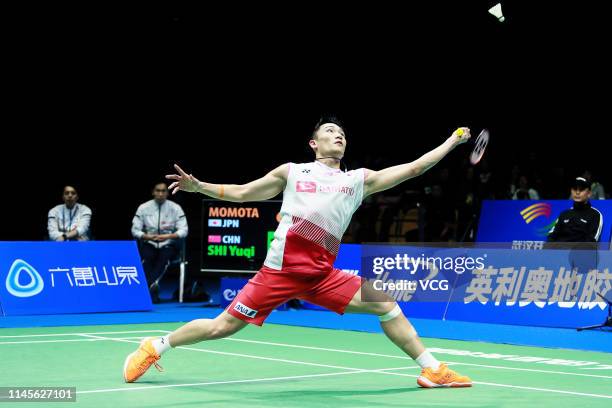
327,118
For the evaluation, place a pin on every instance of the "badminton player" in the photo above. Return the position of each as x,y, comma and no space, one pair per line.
318,202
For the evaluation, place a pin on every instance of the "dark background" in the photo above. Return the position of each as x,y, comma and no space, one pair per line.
107,100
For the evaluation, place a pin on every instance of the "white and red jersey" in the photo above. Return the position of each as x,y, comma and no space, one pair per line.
318,203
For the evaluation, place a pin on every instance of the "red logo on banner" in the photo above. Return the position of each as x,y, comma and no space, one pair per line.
306,187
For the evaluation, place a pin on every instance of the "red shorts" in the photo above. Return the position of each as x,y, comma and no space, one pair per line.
270,288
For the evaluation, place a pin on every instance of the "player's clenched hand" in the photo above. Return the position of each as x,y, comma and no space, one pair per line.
461,135
183,181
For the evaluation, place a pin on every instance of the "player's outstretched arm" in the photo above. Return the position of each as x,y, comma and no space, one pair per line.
264,188
391,176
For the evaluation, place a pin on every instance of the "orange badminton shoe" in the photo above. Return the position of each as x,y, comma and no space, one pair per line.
442,377
137,363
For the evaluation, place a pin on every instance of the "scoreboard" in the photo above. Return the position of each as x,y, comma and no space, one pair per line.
236,236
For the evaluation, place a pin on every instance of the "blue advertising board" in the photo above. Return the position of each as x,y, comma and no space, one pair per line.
554,288
551,288
530,221
230,287
71,277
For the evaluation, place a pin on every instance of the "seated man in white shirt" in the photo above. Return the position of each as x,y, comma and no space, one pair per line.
158,224
69,221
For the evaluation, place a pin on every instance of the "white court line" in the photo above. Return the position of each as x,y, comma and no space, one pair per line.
533,370
385,371
254,380
520,387
78,334
294,346
280,360
62,341
407,358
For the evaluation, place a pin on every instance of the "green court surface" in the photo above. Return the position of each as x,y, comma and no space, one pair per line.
285,366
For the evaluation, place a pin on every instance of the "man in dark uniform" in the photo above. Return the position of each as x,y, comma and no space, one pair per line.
579,228
581,223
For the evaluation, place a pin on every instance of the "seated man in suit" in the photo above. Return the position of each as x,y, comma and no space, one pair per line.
158,224
69,221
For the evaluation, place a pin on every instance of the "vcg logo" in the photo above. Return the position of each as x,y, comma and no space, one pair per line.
19,289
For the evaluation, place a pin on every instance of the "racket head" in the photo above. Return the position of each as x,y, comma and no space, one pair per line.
480,145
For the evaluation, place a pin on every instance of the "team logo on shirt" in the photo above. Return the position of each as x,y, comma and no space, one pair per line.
306,187
245,310
311,187
337,189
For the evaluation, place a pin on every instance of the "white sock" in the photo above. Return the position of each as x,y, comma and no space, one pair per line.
426,360
161,344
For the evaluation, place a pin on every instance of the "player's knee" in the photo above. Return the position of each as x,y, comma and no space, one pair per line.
388,311
376,308
381,308
223,328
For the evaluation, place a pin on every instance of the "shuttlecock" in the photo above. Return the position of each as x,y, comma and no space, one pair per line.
496,10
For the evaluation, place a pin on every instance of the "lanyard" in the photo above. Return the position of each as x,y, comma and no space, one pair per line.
159,207
71,213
